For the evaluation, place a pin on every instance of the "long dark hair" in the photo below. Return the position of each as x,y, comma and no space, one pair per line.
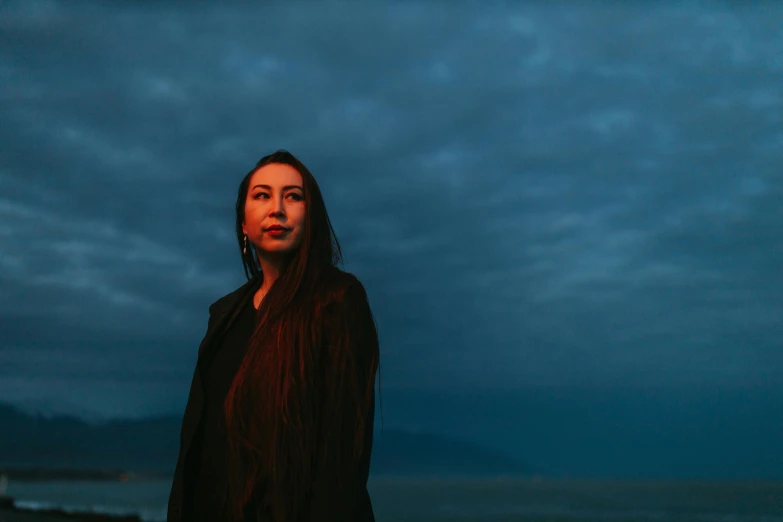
271,414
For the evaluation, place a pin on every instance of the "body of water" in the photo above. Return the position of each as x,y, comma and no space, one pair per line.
471,499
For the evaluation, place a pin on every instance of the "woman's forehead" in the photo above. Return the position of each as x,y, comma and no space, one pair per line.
276,175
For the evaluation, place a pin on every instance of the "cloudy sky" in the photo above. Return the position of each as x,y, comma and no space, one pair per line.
543,200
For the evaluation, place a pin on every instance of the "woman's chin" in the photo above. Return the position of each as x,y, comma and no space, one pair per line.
276,250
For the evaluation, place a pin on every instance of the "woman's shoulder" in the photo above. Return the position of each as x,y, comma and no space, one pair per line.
335,285
339,285
230,298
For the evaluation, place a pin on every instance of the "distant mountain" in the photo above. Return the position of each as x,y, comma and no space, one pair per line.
65,442
28,440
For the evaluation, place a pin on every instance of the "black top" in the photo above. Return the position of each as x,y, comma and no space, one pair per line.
210,448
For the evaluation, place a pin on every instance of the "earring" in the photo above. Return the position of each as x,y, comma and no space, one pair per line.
244,250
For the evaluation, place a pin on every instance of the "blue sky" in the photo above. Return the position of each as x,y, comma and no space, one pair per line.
537,196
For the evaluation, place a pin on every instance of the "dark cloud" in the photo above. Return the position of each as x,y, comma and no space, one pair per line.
533,195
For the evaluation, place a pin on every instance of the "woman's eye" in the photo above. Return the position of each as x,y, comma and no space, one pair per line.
297,197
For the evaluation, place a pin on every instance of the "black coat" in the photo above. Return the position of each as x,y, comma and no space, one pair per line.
327,503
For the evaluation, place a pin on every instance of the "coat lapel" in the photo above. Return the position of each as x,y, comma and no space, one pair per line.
223,313
221,316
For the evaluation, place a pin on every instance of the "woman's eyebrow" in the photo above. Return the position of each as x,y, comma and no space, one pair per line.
284,188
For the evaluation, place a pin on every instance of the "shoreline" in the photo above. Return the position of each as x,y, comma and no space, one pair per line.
10,512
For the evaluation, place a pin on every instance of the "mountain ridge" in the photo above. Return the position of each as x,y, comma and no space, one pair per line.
31,440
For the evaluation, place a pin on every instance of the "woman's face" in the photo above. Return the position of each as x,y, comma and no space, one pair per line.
275,197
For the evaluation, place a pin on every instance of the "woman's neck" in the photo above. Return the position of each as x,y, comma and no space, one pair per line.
271,267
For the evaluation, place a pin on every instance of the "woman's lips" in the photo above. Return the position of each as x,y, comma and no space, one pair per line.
276,231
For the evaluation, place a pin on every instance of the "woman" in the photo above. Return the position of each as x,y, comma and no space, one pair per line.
279,420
